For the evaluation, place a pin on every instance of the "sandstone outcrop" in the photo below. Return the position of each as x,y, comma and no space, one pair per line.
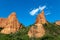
10,24
41,18
58,22
38,30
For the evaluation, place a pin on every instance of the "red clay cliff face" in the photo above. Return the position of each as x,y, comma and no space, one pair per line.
38,30
10,24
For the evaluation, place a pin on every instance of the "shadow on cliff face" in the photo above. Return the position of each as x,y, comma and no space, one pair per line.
1,29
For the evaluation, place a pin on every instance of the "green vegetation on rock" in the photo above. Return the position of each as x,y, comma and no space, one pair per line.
52,33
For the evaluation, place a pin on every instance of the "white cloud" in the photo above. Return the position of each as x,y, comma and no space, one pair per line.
34,11
48,14
42,8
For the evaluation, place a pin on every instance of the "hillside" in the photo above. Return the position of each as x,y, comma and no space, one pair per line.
40,30
52,33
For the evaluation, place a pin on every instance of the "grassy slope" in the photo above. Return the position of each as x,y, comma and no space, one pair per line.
52,33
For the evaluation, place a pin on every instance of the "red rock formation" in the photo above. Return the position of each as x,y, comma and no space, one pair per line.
2,21
38,30
41,18
10,24
58,22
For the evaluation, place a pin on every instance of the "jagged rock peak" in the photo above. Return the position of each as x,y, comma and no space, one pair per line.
13,14
10,24
41,18
38,30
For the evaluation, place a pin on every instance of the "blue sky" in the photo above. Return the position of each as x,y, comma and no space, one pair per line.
24,7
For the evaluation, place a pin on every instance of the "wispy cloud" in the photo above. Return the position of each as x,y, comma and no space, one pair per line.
42,8
34,11
48,14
